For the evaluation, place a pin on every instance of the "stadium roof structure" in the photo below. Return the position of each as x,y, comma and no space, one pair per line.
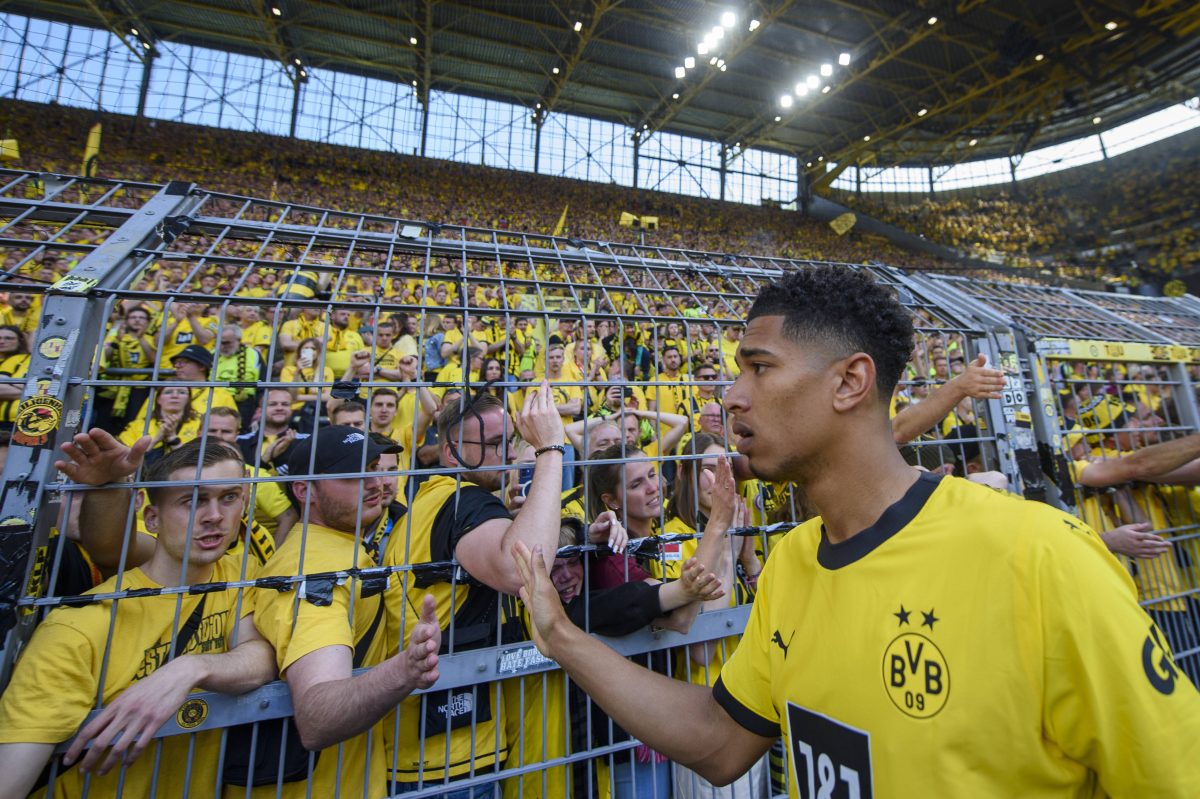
884,82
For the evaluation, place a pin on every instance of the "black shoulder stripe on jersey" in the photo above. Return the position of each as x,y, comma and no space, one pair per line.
893,520
742,714
574,495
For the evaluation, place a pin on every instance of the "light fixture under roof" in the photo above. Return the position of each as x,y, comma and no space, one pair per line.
728,19
134,31
827,69
844,59
702,48
923,112
777,117
786,101
813,81
675,96
1038,57
825,90
713,61
1111,25
578,26
867,137
412,40
680,72
722,66
275,10
808,164
932,20
754,24
689,62
801,89
555,70
972,142
1095,120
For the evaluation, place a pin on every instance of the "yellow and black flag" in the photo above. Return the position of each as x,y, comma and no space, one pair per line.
91,154
562,221
841,225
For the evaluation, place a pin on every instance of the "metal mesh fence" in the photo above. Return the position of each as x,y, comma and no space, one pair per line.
328,420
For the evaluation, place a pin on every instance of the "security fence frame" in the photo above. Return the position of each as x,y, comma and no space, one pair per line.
184,230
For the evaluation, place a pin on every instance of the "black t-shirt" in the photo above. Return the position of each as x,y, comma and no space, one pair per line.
470,507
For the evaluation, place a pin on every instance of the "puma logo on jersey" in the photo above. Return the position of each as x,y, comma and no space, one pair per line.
777,639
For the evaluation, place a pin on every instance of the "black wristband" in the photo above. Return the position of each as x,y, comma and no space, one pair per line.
557,447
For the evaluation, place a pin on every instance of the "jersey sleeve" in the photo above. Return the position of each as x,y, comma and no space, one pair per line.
53,687
1114,698
744,687
474,507
316,627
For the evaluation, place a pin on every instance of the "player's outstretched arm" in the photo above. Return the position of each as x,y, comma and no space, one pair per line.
679,719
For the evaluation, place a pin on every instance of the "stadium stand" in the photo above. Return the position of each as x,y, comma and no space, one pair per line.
1137,209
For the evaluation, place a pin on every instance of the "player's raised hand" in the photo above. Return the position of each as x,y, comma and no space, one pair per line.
540,597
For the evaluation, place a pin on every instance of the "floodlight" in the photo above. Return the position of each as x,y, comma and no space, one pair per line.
786,101
412,40
866,138
933,20
578,26
844,59
827,69
702,48
689,62
813,81
1111,25
728,19
923,112
754,24
680,72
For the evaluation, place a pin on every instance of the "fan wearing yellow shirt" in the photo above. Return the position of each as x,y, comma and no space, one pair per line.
22,311
341,341
256,332
185,327
731,336
14,363
922,635
142,656
338,712
670,391
192,365
294,332
387,353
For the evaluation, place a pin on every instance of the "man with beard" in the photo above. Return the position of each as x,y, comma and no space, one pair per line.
317,628
923,635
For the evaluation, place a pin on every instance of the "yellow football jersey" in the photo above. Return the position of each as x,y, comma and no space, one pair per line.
969,643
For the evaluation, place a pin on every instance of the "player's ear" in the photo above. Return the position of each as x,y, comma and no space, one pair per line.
855,378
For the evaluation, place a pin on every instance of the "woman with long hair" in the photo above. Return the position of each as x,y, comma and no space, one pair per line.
630,486
309,368
171,423
14,364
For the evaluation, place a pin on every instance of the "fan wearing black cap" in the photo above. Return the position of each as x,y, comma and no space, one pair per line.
315,630
193,365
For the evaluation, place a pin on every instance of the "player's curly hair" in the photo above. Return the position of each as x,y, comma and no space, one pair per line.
847,310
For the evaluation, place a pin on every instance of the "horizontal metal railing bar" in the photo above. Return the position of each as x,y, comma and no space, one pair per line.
273,701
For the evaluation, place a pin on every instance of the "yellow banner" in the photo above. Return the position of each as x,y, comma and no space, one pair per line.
1086,350
9,151
91,155
841,225
562,221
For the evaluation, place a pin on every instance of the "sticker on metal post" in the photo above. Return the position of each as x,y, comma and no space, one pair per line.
52,347
74,285
37,418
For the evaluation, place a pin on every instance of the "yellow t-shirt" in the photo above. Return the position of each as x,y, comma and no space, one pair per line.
259,334
183,336
970,643
56,680
12,366
339,347
728,353
296,627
